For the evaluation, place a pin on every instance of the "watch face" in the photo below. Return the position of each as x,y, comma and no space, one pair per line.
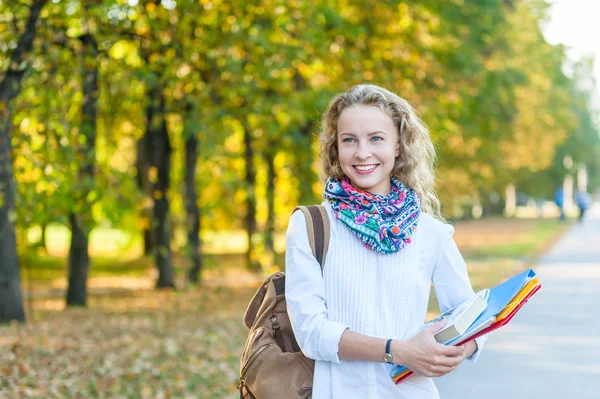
387,357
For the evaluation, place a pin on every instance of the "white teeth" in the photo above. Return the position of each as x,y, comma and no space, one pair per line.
365,168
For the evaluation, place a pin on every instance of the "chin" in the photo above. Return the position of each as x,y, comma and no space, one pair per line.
365,184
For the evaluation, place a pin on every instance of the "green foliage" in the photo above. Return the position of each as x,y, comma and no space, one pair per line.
488,85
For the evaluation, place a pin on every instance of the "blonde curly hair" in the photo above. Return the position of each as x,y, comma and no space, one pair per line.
414,167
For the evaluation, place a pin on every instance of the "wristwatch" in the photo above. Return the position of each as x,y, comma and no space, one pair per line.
387,357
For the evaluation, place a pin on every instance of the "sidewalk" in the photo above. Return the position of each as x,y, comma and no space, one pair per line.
551,349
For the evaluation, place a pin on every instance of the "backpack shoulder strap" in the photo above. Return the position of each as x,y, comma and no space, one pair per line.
317,227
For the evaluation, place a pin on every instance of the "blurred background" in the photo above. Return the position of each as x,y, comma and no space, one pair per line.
151,153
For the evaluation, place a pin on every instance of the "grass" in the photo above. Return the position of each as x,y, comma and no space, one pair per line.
146,344
107,242
528,239
133,341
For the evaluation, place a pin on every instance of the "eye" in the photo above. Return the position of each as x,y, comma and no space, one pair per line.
377,138
348,140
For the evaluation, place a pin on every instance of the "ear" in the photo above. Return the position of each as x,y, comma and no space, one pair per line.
397,149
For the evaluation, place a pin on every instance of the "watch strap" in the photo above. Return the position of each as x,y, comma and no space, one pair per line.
388,345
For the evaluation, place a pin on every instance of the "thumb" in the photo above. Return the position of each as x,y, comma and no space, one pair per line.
436,327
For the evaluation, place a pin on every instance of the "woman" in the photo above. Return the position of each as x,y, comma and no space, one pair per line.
387,244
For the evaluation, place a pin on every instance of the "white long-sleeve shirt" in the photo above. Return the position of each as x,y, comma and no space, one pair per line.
379,295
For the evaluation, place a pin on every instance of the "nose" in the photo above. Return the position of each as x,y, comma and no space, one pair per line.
363,152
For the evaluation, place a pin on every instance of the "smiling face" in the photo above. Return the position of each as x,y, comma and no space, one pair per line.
367,143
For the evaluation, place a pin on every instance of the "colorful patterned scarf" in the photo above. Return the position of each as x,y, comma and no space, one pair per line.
383,223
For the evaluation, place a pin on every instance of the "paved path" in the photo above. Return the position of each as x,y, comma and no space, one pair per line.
551,349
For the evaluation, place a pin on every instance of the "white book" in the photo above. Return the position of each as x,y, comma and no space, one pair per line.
460,318
482,326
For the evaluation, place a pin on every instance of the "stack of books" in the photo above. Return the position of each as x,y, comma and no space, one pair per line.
487,311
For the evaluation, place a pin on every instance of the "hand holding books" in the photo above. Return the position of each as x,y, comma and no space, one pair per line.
426,356
503,302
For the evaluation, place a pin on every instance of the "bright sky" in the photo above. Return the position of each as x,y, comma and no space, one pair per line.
576,24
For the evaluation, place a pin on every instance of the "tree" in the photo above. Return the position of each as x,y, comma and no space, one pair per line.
156,143
191,203
11,302
79,259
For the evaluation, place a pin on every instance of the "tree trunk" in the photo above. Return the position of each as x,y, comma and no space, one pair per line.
191,207
149,244
510,202
11,298
158,150
143,167
304,166
251,256
79,262
81,224
304,156
271,175
42,242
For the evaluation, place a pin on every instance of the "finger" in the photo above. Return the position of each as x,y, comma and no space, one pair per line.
446,371
437,371
452,351
436,327
440,371
447,366
447,361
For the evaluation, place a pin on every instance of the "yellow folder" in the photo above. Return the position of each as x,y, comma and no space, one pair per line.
517,299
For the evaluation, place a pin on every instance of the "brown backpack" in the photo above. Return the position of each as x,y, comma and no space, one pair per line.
272,365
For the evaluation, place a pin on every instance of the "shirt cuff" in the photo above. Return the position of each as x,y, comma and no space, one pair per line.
330,341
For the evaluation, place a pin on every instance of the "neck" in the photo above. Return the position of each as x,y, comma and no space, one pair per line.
383,191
